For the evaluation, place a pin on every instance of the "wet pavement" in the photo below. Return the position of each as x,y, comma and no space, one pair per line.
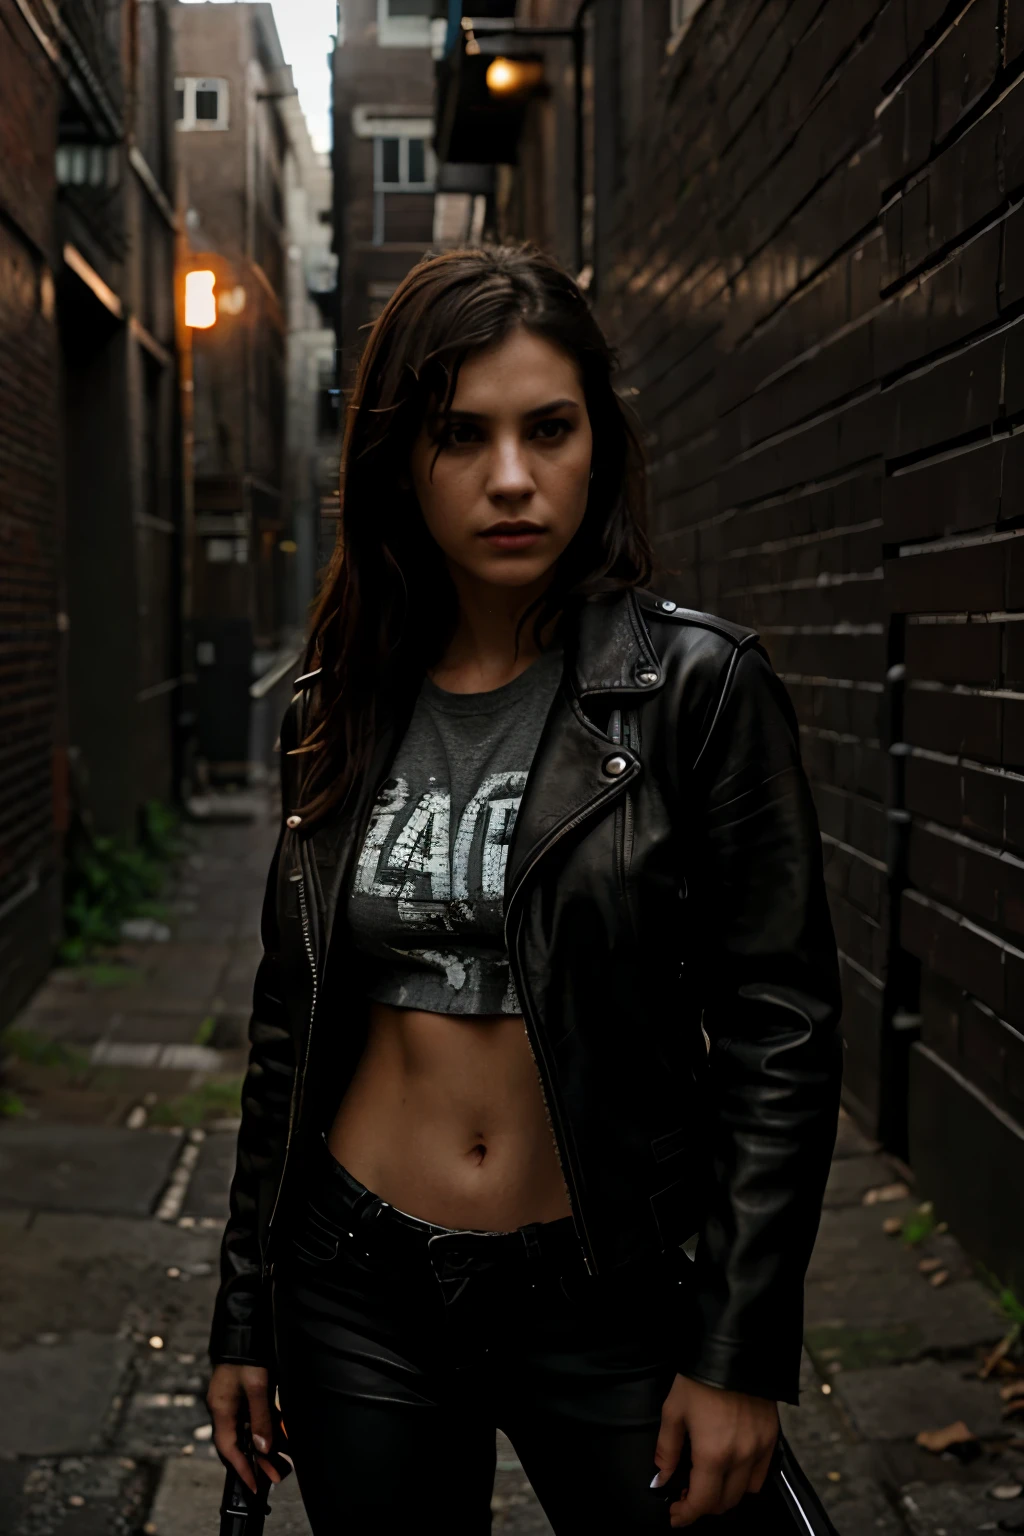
112,1192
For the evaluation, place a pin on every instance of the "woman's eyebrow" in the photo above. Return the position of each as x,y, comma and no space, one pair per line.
539,410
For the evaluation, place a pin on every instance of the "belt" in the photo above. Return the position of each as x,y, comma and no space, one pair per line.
381,1227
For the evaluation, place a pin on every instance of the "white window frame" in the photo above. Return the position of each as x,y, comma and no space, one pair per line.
403,184
401,31
189,85
382,188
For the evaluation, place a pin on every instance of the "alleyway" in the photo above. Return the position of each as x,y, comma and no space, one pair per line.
113,1188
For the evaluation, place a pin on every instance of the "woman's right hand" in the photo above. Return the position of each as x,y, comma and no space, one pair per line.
231,1387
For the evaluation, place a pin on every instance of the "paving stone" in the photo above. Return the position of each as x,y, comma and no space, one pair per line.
842,1471
957,1509
851,1177
866,1302
515,1509
35,1496
102,1169
850,1139
187,1502
107,1270
897,1402
208,1189
55,1399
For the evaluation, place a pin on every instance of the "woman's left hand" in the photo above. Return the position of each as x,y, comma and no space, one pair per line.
732,1437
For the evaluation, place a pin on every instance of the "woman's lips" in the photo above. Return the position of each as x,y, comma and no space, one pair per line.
512,536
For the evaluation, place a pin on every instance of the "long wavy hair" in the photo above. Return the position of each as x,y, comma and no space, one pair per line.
387,608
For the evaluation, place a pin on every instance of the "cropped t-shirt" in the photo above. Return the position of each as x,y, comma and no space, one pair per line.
426,904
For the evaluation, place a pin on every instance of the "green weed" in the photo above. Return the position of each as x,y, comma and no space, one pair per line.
11,1106
107,880
919,1225
39,1051
205,1033
212,1101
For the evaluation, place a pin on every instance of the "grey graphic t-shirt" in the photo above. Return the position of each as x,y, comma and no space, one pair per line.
426,904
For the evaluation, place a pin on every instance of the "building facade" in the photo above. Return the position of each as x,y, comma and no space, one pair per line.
384,168
89,521
312,428
801,227
232,141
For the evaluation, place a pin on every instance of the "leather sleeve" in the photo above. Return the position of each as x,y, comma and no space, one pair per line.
772,1008
241,1330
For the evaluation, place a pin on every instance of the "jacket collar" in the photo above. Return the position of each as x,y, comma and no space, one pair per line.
614,653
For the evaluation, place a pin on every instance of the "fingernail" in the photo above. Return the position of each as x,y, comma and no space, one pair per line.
261,1443
657,1480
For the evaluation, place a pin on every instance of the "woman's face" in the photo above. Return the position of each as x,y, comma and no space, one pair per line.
504,488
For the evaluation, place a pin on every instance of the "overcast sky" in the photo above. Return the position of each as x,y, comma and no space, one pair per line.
306,28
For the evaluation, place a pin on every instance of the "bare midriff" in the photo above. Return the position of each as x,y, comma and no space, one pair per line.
445,1120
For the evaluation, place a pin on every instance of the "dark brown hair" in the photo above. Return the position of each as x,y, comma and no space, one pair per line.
387,607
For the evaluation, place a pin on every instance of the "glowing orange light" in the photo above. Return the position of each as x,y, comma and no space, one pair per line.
200,304
506,77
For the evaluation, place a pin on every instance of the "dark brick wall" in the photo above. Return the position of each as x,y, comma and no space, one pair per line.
29,530
809,250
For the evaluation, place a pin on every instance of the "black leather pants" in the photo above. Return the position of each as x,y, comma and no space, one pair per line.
402,1346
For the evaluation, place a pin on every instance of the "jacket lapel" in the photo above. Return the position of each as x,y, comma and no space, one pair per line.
578,770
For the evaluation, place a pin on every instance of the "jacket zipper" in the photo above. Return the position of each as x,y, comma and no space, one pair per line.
300,1076
544,1073
555,1119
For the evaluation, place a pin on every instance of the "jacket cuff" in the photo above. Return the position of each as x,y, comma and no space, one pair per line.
239,1344
735,1367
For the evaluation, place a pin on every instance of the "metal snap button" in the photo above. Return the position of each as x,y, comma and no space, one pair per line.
615,765
647,678
669,606
294,821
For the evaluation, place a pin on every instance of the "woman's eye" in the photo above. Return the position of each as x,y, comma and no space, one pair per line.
458,434
551,429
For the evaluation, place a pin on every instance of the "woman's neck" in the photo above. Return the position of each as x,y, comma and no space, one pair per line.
483,653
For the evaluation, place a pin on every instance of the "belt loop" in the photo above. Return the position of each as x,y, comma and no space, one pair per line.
531,1242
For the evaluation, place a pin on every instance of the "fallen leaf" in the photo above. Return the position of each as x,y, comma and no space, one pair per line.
929,1266
884,1193
834,1477
892,1226
939,1440
939,1278
76,1501
1012,1390
998,1355
1006,1491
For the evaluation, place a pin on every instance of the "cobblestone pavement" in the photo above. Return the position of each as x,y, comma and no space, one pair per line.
112,1192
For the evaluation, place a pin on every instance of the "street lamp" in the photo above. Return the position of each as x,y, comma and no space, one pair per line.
200,303
513,77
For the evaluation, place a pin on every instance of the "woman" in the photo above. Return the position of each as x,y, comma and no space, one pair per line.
549,982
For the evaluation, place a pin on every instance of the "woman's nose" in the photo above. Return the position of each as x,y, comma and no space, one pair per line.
510,476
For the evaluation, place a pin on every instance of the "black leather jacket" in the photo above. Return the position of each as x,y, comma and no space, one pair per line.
671,947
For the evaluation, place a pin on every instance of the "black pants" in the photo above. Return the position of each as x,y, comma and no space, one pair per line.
402,1346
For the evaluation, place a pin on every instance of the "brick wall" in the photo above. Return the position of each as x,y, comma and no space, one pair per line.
29,534
810,250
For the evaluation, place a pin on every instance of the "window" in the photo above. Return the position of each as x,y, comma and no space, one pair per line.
201,104
404,23
403,163
87,165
